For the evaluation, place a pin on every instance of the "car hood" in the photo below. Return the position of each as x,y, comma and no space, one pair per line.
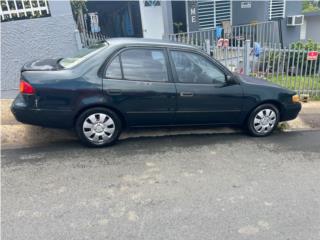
42,65
257,81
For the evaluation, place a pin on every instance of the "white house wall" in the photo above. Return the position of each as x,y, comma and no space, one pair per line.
152,21
312,28
30,39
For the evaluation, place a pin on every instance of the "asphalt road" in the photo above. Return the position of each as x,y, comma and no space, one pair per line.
184,187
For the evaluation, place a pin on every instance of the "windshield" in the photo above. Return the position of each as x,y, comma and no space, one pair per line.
81,55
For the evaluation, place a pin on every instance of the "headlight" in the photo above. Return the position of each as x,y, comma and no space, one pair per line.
295,98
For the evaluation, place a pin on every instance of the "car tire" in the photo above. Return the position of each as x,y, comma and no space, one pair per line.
98,127
263,120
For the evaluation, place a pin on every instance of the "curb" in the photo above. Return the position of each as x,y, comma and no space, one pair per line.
300,129
24,136
19,135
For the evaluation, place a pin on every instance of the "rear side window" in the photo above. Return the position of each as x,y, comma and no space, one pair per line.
114,69
144,65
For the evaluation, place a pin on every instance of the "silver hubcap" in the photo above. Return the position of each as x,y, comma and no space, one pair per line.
98,128
264,121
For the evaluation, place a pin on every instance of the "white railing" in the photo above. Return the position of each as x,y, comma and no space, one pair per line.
20,9
289,67
261,32
88,39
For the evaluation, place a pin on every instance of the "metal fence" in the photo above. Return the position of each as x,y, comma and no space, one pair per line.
288,67
88,38
262,32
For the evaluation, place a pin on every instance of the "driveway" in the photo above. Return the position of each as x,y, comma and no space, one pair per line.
219,186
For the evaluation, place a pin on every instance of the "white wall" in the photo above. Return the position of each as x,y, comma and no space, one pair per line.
30,39
152,21
312,28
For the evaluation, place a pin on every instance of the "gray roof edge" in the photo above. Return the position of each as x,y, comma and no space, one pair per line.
146,41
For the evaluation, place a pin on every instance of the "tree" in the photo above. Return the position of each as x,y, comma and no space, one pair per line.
78,9
310,6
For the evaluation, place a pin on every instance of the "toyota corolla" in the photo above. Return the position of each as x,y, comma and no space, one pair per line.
126,83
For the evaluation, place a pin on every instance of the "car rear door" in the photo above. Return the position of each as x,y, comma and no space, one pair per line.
138,82
204,95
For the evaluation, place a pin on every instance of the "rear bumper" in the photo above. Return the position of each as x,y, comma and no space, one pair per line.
41,117
290,111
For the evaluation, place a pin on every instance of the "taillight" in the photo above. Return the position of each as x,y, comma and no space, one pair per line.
26,87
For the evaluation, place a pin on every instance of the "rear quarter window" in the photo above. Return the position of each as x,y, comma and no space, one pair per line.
114,69
82,55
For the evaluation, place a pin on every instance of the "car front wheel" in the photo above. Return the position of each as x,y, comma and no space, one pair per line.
263,120
98,127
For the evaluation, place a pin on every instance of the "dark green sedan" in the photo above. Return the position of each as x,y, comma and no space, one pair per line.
126,82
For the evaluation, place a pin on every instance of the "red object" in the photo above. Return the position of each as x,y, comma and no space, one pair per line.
220,42
313,55
26,87
225,42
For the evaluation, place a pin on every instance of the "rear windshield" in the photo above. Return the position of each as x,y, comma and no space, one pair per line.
81,55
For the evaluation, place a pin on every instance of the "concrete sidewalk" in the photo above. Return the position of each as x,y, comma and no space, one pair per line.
308,119
17,135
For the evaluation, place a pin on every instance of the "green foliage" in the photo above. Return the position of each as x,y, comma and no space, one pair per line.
78,7
178,26
315,98
306,67
308,46
310,6
295,82
275,60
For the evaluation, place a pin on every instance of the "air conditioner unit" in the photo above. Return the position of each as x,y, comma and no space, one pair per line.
296,20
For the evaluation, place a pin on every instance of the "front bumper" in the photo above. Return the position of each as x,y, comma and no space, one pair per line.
290,111
28,114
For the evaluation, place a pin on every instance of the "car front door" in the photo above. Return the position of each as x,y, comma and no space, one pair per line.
138,83
204,96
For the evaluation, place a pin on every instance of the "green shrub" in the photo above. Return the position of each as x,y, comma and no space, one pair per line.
274,59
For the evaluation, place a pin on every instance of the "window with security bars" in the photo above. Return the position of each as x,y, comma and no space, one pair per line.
277,9
212,13
23,9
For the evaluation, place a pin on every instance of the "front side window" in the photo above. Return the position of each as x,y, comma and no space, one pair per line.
144,65
194,68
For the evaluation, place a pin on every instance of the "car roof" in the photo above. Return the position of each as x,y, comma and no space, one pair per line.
146,42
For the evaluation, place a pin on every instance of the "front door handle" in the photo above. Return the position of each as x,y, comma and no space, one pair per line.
186,94
114,91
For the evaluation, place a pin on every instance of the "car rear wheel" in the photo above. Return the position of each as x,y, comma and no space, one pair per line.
263,120
98,127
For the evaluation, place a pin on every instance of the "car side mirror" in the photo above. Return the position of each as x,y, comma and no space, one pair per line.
230,79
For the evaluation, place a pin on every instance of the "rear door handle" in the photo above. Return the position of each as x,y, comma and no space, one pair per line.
186,94
114,91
